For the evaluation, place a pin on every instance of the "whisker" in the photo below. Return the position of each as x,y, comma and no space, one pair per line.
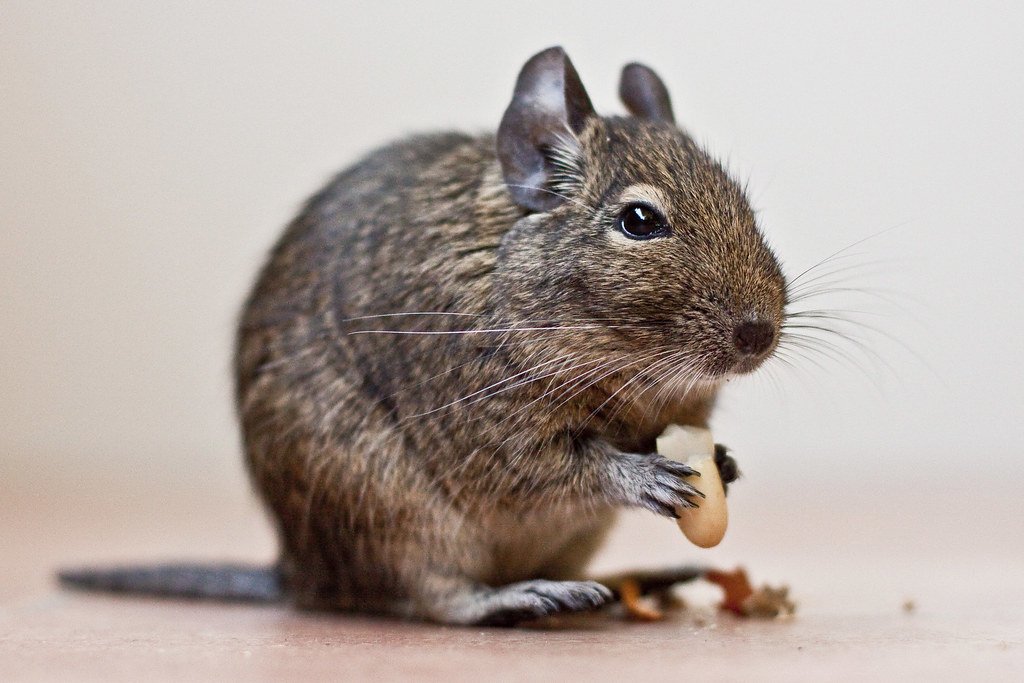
413,314
560,388
496,330
568,387
845,325
593,382
836,254
883,294
666,375
552,375
482,394
839,269
658,371
551,192
826,347
672,377
650,358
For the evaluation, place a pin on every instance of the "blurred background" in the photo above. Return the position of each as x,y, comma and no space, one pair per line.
150,154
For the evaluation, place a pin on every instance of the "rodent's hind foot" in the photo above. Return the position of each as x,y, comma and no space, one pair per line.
529,600
518,602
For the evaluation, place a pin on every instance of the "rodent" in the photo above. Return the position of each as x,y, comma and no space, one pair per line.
453,367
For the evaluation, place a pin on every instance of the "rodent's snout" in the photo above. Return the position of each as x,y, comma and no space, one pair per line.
753,339
753,336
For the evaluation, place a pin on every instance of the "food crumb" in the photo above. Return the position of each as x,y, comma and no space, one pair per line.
636,608
742,599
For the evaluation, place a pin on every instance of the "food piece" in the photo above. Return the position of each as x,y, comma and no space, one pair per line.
766,602
769,602
704,525
629,593
735,587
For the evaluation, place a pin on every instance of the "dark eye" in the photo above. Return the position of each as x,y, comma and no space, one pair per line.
641,222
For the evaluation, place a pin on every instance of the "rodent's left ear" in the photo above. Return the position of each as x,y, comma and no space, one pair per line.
644,95
539,130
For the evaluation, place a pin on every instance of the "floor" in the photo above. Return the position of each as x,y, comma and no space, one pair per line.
888,587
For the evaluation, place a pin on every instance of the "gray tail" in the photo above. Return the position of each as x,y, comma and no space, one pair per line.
226,582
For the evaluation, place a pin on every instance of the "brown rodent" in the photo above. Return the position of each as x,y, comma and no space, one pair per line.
451,371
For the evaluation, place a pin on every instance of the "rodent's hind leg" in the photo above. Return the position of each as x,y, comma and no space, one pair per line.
469,604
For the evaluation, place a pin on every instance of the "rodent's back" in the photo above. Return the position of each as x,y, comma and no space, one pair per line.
376,234
412,228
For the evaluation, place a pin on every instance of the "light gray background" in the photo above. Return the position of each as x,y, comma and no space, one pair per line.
151,152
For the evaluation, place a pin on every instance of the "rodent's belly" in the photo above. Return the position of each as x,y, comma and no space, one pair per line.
552,545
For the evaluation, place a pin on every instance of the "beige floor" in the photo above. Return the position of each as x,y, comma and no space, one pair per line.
924,585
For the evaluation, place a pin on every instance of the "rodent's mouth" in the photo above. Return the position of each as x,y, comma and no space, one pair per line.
746,365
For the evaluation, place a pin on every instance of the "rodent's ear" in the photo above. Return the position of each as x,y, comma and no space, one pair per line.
539,130
644,95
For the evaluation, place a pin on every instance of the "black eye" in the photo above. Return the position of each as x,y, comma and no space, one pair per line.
641,222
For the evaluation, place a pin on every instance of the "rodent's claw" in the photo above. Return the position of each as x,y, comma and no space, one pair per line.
658,484
679,469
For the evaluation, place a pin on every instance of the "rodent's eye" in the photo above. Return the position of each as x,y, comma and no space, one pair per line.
641,222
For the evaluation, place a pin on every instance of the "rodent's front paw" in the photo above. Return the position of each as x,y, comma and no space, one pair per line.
657,483
728,470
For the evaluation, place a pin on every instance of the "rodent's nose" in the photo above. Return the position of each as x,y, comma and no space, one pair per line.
753,337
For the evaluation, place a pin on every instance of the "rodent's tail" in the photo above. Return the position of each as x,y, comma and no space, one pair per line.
226,582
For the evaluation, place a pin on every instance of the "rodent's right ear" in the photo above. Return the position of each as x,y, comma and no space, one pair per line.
644,95
539,130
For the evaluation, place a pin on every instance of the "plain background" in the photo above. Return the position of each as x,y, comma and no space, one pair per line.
151,152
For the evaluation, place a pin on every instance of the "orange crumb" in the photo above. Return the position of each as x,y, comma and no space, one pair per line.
629,593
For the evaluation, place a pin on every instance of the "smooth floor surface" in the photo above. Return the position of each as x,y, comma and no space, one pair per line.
910,587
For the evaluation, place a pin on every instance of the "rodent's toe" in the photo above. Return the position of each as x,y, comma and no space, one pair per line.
676,469
666,500
580,596
530,600
651,481
666,490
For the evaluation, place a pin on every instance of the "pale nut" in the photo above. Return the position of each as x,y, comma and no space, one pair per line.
703,525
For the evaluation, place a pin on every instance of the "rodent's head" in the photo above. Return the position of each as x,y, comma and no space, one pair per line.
632,234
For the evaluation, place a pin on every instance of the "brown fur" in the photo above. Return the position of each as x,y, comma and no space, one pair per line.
425,465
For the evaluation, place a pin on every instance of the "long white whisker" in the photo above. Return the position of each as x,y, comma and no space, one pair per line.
561,388
481,394
414,314
671,374
496,330
551,192
595,380
834,255
656,361
553,374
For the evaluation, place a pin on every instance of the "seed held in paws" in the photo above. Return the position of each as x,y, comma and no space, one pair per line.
705,524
